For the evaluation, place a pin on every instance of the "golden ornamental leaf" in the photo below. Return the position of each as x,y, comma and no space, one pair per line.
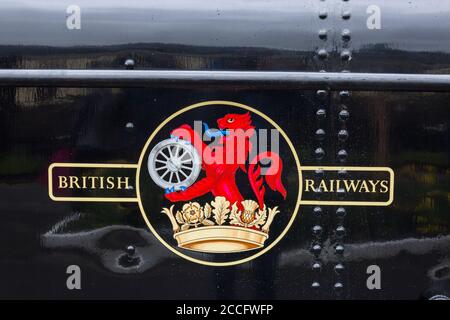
234,216
207,211
260,218
207,222
220,209
184,227
165,211
179,217
274,211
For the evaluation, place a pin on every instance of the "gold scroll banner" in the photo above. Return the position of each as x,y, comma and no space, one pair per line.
92,182
361,186
99,182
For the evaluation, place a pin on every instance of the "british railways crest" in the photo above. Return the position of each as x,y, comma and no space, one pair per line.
220,183
227,181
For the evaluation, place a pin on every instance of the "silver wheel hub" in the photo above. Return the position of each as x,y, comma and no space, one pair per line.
174,163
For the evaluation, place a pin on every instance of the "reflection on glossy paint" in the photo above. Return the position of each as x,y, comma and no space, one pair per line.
102,245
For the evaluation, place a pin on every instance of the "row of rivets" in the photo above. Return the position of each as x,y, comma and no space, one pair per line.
346,14
323,54
130,250
342,154
129,65
319,153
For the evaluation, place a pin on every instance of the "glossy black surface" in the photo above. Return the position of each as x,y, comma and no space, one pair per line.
408,132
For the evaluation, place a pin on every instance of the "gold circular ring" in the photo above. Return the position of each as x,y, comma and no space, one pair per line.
238,105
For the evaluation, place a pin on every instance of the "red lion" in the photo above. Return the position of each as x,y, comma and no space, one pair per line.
236,146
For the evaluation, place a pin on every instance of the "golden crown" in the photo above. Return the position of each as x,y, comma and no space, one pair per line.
219,227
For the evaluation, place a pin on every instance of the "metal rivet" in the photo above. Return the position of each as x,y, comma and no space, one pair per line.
340,212
342,155
319,153
341,193
342,174
338,286
340,231
323,14
319,173
346,55
315,285
129,125
322,54
346,35
344,115
317,229
339,268
344,94
316,249
317,211
320,134
342,135
130,250
321,114
322,94
317,266
439,297
323,34
339,249
346,15
129,64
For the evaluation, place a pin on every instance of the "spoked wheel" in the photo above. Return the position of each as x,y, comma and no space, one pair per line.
174,164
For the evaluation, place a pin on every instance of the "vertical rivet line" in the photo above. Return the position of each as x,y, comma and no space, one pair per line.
342,153
322,100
